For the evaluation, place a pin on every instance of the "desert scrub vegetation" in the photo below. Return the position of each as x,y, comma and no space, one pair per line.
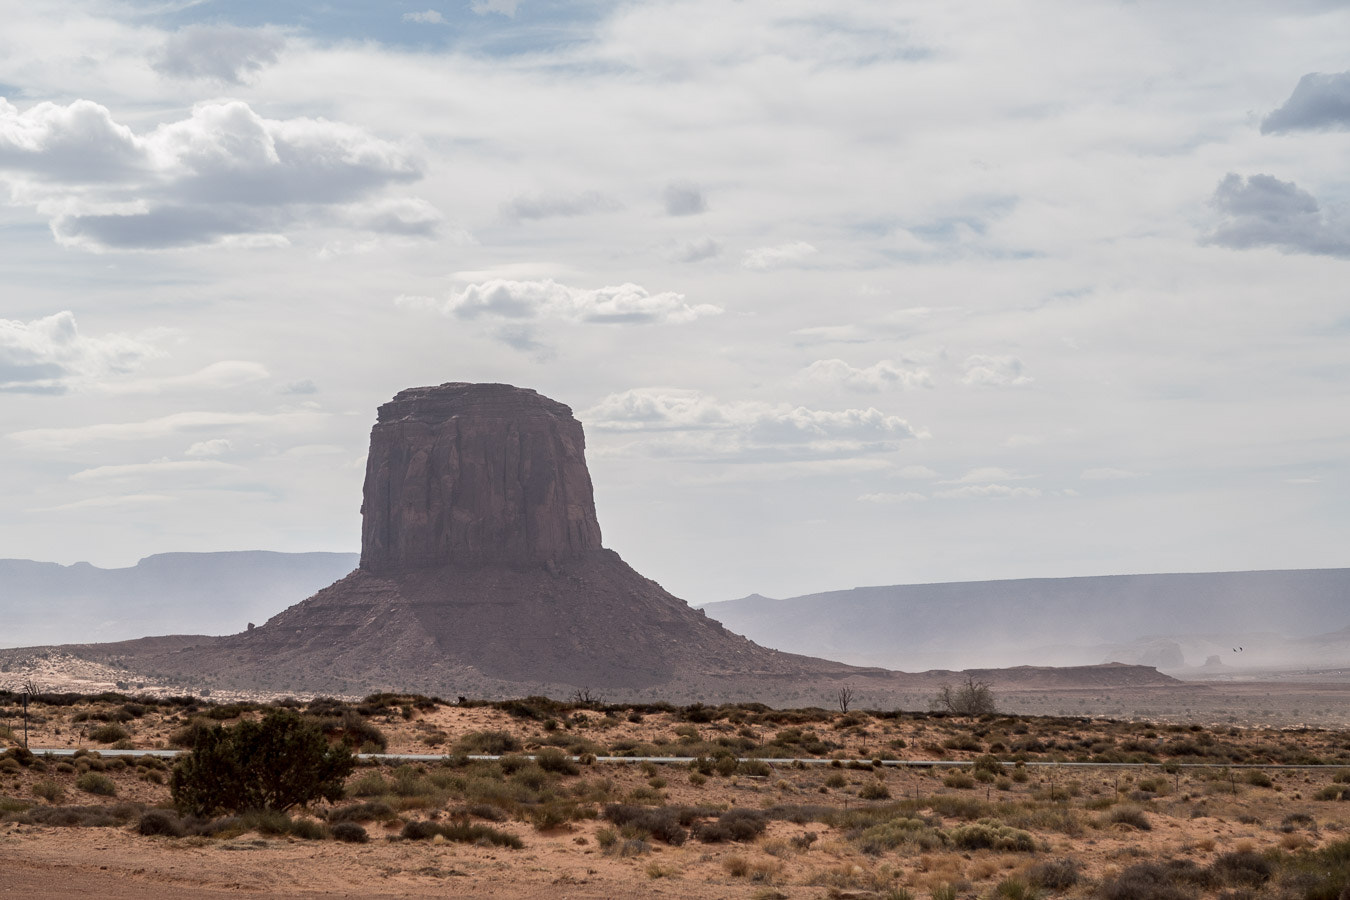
282,761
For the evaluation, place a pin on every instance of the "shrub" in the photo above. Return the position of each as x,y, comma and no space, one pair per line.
488,743
970,698
1055,874
361,812
161,822
1243,867
733,825
755,768
661,823
275,764
959,780
49,791
109,734
554,760
462,833
94,783
112,816
349,832
874,790
1147,881
989,834
1132,816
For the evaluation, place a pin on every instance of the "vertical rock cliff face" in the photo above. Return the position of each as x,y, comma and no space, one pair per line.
475,474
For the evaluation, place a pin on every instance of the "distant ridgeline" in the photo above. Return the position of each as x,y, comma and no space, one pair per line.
1292,619
170,593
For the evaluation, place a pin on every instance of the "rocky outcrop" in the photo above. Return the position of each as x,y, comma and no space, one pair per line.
482,574
475,474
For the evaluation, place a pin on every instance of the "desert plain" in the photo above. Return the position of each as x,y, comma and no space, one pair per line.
786,803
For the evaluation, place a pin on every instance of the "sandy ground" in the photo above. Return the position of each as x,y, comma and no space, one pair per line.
1194,814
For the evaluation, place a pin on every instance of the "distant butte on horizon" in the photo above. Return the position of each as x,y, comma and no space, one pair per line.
482,573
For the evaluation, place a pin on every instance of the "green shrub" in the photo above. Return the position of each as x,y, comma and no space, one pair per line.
275,764
990,834
554,760
1055,874
109,734
49,791
94,783
161,822
463,833
733,825
1132,816
349,832
487,743
959,780
874,790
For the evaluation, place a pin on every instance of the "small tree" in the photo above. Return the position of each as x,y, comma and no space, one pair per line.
970,698
844,698
277,763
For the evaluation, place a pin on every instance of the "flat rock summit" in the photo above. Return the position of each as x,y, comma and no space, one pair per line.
482,573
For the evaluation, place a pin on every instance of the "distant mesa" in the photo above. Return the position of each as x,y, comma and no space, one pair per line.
482,573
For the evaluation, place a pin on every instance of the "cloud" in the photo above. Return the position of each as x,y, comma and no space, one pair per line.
906,497
1262,211
884,375
426,17
157,470
163,426
1318,102
994,371
977,491
986,473
1107,474
299,388
500,7
223,174
223,53
695,250
217,376
46,356
213,447
777,257
624,304
684,199
691,424
547,206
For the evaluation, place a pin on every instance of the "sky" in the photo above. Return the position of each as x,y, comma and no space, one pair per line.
843,294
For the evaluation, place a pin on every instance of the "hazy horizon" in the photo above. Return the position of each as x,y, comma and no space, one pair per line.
882,294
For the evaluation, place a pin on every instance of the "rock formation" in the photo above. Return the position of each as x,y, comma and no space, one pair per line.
482,572
471,474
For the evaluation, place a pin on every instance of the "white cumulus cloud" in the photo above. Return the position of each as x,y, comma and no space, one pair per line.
975,491
902,497
502,298
776,257
48,355
224,174
883,375
995,371
425,17
690,423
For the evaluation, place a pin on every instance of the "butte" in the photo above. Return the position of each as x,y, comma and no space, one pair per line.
482,573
